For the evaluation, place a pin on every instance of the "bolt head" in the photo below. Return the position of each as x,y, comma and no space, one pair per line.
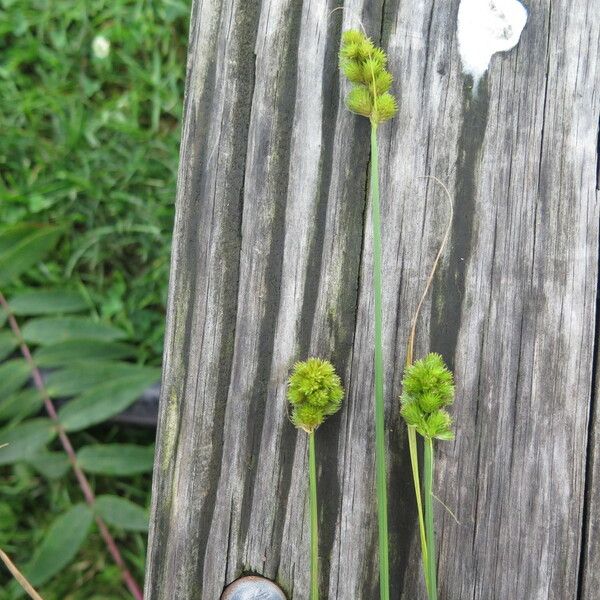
253,588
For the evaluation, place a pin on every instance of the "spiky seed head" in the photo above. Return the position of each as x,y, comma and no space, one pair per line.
365,49
429,402
370,69
428,386
315,392
359,101
350,52
352,70
386,107
430,374
352,36
383,82
412,414
365,66
380,57
439,424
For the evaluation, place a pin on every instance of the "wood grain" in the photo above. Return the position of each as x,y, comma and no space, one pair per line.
272,263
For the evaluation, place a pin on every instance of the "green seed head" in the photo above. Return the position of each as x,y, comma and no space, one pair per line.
439,424
359,101
428,387
411,413
315,392
365,67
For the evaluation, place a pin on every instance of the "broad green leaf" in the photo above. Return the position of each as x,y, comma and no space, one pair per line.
46,302
26,250
13,374
122,513
20,404
60,544
53,330
8,342
25,440
116,459
84,375
104,401
66,353
50,464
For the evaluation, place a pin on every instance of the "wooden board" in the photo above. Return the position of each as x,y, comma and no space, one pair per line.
272,263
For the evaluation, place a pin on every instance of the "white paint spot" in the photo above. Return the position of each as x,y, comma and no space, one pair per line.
484,28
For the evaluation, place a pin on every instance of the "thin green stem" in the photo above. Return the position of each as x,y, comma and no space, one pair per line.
414,461
314,519
380,454
429,526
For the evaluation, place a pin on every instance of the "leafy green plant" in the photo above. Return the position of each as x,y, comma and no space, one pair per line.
84,358
314,392
365,66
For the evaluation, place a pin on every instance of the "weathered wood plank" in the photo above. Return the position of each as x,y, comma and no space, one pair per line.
270,265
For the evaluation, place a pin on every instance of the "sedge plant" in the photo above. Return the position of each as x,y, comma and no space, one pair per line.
428,388
365,67
314,392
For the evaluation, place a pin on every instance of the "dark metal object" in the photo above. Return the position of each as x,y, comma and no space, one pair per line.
253,588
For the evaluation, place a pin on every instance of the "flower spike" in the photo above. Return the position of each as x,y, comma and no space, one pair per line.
365,67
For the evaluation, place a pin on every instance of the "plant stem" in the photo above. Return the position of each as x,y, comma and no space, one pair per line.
429,527
84,484
380,454
414,461
314,519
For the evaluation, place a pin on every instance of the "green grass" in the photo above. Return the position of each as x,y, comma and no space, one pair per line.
92,144
29,503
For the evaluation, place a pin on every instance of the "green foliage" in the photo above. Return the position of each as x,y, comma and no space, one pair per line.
52,465
88,156
60,544
105,400
66,353
315,392
102,386
116,459
428,387
122,513
365,67
8,342
24,246
25,439
54,330
91,144
43,302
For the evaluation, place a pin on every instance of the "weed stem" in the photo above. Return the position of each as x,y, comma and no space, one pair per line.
429,526
380,453
314,519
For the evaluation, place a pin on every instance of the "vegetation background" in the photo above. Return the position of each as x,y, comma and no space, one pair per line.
90,137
